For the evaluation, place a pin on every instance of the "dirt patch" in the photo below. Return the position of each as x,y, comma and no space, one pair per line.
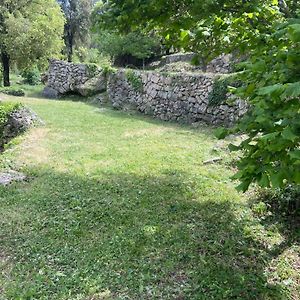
33,148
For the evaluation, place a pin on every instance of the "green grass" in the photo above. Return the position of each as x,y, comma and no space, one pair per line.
16,82
120,206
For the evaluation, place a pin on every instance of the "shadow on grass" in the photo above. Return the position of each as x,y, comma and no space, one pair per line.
283,209
133,237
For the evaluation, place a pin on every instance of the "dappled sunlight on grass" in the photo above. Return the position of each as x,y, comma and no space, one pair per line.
122,207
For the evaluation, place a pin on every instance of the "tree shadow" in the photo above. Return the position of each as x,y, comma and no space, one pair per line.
282,209
139,237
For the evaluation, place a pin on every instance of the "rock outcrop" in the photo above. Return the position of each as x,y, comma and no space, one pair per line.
18,122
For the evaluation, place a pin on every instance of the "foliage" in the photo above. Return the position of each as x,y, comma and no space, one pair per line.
92,69
76,29
134,43
31,31
285,201
113,195
31,75
271,152
221,88
14,91
6,109
135,80
271,83
208,28
91,55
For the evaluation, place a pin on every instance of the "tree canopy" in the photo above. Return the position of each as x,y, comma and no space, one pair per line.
30,32
268,32
77,26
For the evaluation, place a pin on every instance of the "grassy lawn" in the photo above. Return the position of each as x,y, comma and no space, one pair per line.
120,206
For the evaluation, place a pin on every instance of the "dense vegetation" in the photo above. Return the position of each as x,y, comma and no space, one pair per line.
29,34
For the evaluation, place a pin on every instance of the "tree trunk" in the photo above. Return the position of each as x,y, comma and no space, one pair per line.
70,47
5,65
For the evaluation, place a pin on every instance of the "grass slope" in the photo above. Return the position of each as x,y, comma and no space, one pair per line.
122,207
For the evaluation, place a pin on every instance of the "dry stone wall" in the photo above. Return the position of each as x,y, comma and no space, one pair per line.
64,77
172,97
169,96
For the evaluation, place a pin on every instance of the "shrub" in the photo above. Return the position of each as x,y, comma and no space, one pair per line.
271,84
92,56
92,69
12,91
31,76
221,87
128,49
5,110
284,202
134,80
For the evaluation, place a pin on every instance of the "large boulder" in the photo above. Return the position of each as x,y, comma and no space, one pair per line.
50,93
92,87
18,122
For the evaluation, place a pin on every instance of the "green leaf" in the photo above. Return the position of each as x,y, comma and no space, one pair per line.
243,186
276,89
233,147
264,180
288,134
277,179
294,32
269,136
221,133
295,154
292,90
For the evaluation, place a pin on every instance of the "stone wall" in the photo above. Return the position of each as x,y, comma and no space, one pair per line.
64,77
169,96
178,97
221,64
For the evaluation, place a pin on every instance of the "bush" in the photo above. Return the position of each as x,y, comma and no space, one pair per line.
132,48
91,56
271,84
12,91
5,110
283,202
134,80
31,76
221,87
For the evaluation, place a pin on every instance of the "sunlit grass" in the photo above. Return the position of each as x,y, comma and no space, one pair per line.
119,206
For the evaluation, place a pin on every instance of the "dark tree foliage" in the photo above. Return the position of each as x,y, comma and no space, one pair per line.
77,26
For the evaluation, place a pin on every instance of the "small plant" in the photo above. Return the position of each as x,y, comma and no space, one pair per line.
92,69
106,70
218,95
285,200
31,76
5,110
134,80
221,87
12,91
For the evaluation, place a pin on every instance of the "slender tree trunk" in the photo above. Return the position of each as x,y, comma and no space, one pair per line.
5,65
70,47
